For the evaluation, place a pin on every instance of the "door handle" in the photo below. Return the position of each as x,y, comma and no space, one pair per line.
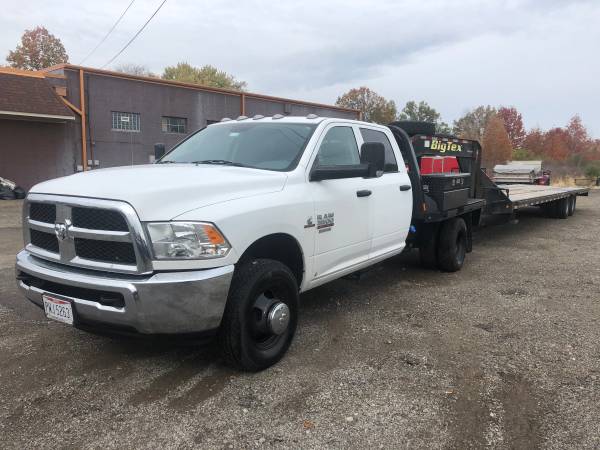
405,187
363,193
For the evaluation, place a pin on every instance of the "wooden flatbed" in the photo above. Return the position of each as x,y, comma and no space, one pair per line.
522,195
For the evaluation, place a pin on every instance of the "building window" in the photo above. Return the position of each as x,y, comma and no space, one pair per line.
124,121
174,124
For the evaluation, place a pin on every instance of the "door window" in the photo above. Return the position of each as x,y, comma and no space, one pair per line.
338,148
377,136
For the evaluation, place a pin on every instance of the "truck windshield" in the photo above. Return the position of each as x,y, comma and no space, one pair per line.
269,146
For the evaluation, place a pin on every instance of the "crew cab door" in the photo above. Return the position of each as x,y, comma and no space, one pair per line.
342,236
391,199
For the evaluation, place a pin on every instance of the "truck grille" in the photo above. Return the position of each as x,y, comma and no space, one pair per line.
43,240
42,212
98,219
96,234
112,252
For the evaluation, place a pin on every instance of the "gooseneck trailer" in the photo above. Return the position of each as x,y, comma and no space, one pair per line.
469,194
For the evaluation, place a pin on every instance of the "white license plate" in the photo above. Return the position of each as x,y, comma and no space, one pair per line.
58,309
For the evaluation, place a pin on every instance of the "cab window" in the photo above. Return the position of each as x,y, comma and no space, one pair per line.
338,148
369,135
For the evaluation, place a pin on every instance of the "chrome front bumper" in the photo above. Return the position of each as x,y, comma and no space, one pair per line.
165,302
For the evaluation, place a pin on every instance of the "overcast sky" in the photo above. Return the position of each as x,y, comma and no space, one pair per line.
541,56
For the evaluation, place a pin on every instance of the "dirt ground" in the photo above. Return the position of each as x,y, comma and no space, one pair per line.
505,354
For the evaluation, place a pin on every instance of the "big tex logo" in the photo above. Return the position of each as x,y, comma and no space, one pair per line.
443,147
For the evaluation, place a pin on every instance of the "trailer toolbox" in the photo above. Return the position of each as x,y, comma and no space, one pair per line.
449,190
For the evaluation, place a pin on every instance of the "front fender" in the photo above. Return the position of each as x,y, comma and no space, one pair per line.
244,221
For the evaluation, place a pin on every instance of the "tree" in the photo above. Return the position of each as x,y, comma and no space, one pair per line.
473,124
206,75
423,112
579,140
513,122
38,49
374,107
135,69
496,143
534,142
556,144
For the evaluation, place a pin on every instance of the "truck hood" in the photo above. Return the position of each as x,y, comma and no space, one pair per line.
164,191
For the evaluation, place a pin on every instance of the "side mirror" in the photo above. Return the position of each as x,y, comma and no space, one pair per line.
320,173
159,151
373,154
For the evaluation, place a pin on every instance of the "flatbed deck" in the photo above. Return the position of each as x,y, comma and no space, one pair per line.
523,195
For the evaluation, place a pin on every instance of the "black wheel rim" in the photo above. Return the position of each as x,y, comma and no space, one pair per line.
257,318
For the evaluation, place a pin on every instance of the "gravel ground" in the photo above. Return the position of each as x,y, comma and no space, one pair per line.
503,354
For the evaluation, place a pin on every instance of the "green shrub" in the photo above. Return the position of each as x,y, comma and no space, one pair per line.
592,170
522,154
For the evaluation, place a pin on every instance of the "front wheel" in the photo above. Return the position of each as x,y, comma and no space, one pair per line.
261,314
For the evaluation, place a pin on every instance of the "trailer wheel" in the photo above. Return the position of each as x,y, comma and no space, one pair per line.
572,202
562,208
452,245
260,316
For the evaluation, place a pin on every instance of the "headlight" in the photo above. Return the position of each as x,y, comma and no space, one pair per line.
187,240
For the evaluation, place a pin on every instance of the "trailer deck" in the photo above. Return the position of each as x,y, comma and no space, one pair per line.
523,195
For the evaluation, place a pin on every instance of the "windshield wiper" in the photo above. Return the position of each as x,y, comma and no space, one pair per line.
223,162
166,162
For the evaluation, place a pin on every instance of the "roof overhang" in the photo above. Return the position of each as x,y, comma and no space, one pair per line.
16,115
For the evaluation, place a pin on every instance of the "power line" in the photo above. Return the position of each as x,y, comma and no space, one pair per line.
135,35
107,34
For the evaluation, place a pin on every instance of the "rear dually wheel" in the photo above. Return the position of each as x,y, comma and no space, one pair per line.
452,245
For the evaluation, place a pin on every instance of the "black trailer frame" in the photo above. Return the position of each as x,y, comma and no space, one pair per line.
416,139
427,218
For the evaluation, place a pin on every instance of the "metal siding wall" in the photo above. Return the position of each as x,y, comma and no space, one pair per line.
152,102
272,107
264,107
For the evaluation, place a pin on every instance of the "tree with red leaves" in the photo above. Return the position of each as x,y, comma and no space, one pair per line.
534,142
38,49
513,122
496,144
556,144
579,140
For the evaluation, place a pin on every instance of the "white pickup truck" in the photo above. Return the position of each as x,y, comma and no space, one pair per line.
222,234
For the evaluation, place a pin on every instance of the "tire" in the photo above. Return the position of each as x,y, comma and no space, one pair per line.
572,204
562,208
246,342
452,245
